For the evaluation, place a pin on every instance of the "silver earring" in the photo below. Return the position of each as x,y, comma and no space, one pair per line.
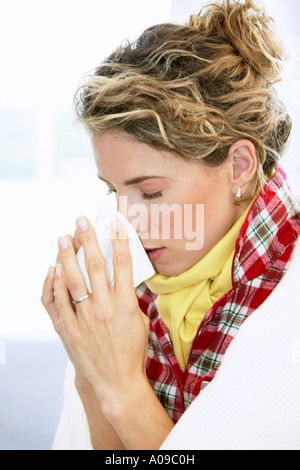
239,193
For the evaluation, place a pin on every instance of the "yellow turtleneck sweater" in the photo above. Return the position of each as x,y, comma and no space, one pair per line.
183,300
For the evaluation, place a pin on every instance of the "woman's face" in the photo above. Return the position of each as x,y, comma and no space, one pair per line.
180,209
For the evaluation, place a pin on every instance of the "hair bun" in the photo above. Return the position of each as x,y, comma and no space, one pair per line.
248,29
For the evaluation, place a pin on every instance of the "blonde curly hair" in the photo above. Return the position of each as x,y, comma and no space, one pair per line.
195,89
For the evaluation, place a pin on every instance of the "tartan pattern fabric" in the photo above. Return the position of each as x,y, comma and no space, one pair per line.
262,253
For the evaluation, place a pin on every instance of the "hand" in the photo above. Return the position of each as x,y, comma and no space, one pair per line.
48,300
106,335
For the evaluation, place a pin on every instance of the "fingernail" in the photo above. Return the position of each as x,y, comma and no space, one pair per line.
58,270
82,224
63,243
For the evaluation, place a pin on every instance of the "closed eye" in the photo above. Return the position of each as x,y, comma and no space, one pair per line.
151,196
143,194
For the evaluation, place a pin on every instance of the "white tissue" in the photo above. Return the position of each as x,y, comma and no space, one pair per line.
141,265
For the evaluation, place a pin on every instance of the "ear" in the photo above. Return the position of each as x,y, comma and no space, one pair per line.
242,157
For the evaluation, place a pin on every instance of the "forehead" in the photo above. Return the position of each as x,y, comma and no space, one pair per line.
119,153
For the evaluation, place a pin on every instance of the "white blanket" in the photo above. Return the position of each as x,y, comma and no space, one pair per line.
252,403
254,400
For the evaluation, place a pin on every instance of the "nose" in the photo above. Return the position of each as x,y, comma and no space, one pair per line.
135,213
123,205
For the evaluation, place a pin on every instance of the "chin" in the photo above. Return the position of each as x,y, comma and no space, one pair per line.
168,270
176,266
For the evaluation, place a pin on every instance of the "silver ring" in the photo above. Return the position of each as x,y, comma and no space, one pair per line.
80,300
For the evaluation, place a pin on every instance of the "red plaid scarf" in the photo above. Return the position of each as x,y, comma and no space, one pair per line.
263,250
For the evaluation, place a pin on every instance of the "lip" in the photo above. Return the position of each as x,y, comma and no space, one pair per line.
155,254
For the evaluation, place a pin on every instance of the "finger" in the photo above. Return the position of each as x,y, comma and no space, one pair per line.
72,275
77,242
48,299
62,299
122,260
59,261
94,261
72,241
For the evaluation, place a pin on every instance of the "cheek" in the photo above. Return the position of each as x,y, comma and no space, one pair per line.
174,223
208,200
170,220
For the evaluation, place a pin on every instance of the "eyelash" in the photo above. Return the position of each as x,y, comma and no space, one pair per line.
144,195
151,196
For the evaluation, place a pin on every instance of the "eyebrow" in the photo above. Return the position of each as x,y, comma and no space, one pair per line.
136,180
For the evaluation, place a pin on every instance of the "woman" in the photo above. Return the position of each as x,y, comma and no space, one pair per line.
185,115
